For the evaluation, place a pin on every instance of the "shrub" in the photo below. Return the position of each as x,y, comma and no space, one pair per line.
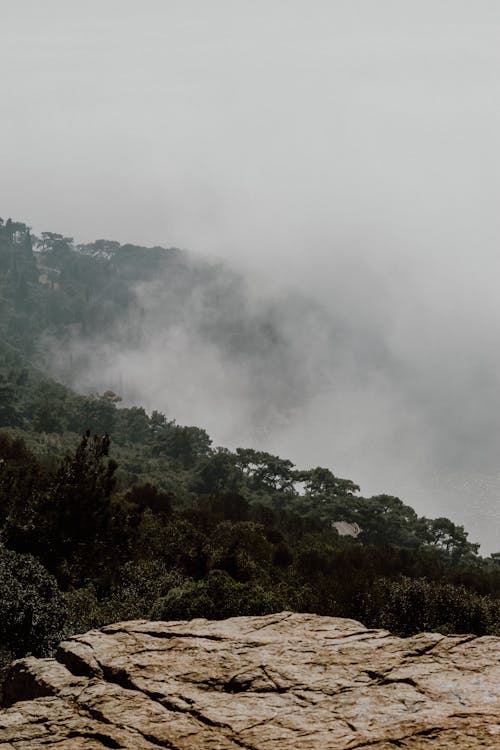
32,609
218,596
407,605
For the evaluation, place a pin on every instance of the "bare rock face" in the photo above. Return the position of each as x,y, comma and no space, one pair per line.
280,681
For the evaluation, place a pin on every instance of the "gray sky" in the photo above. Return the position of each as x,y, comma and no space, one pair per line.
346,148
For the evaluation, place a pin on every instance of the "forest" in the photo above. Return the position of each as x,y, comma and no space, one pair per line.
108,512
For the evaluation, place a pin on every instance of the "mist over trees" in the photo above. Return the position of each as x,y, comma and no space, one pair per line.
104,309
111,511
257,364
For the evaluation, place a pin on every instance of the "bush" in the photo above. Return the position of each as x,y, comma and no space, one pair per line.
406,606
218,596
141,584
32,609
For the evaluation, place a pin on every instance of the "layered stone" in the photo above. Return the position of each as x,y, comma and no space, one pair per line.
259,683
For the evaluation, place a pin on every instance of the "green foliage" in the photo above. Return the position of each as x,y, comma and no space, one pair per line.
232,535
187,445
22,483
407,605
218,474
84,610
240,548
32,609
321,484
444,534
70,520
216,597
264,471
148,496
171,527
139,586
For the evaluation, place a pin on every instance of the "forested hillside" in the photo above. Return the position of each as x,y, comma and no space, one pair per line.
95,316
109,512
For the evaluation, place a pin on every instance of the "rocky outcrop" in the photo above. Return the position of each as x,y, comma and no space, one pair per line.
280,681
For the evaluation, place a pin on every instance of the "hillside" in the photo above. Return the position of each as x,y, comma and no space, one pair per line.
109,511
94,316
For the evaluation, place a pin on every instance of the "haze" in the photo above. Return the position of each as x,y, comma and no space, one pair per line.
348,151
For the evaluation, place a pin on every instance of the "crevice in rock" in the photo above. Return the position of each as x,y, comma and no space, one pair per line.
247,682
423,650
168,634
241,743
261,723
329,636
76,663
382,678
279,688
22,685
430,732
104,739
159,743
466,639
97,715
268,624
121,678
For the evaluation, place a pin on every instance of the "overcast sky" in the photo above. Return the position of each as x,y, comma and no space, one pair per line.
346,147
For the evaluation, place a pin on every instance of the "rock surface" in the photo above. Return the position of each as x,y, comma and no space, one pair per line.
280,681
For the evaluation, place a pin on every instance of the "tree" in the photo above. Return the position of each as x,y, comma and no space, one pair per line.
444,534
72,521
134,424
265,471
97,414
32,609
239,548
9,414
218,474
22,482
322,484
56,243
148,496
385,519
186,444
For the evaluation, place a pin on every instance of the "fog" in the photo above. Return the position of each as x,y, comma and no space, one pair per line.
345,152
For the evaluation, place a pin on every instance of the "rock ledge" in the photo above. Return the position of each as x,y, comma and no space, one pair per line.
280,681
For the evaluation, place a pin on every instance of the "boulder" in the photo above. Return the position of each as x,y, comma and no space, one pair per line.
258,683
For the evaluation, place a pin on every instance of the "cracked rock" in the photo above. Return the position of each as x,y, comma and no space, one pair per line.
279,681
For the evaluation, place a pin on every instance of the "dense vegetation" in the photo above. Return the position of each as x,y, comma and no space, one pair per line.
110,513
